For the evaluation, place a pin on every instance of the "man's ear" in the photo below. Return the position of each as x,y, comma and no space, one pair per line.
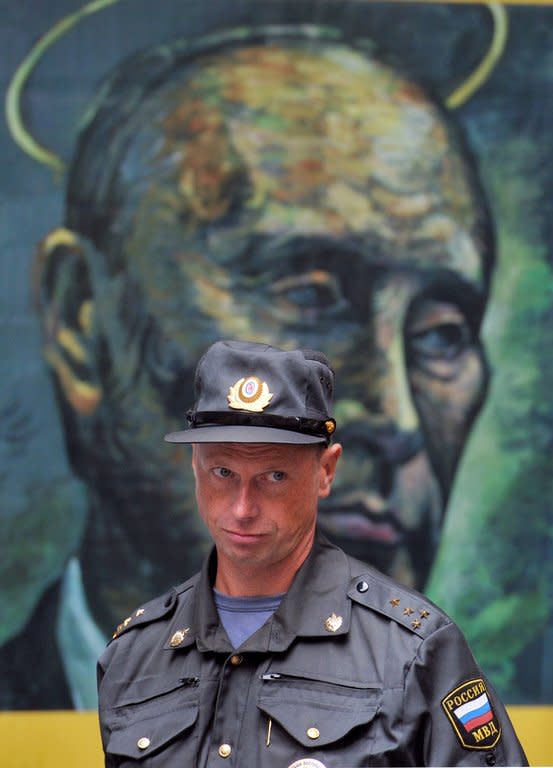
329,461
63,293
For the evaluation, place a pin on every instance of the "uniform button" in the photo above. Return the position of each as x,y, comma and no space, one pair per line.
491,758
362,586
225,750
313,733
143,743
236,659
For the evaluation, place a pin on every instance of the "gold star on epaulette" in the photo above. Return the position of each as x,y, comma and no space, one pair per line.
118,629
122,626
408,611
394,602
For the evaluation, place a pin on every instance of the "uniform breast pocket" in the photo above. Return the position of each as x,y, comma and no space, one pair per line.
322,720
154,731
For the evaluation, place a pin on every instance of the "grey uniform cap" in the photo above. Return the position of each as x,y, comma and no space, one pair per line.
247,392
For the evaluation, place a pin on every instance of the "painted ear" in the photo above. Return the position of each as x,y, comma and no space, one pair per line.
63,293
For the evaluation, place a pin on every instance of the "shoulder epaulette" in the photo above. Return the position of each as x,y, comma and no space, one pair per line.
405,606
155,609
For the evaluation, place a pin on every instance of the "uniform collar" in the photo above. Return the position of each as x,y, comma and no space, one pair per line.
316,605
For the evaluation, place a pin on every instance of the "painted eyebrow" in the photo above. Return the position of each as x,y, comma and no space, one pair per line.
263,250
267,254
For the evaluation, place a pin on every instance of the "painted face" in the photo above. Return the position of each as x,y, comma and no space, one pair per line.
259,503
329,209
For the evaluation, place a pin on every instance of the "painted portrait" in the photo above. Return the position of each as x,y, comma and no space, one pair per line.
368,179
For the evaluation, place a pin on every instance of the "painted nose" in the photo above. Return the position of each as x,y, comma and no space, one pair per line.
390,443
379,451
391,396
382,423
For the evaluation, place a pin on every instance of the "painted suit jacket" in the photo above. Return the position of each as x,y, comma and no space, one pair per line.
351,670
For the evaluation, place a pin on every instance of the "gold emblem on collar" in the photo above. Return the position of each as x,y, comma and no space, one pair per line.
178,637
333,623
249,394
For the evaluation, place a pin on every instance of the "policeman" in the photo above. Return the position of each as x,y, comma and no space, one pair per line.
284,651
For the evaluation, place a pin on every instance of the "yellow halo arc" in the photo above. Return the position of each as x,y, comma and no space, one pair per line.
24,139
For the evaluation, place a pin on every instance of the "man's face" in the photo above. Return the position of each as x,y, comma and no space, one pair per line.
259,503
327,209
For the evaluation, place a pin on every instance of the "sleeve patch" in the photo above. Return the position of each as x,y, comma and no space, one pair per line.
470,712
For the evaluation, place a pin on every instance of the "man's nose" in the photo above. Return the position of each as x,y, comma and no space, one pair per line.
245,504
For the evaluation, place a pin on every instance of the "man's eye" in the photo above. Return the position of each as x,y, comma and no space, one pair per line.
222,472
277,476
444,342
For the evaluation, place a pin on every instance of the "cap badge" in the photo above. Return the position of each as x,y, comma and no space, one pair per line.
249,394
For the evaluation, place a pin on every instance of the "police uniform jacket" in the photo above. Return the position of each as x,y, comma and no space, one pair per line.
351,670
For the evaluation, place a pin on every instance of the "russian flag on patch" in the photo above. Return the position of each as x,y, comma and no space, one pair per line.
475,713
469,710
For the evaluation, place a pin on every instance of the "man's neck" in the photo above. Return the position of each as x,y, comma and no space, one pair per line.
239,580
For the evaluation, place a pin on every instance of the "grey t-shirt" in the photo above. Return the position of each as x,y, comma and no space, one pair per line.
242,616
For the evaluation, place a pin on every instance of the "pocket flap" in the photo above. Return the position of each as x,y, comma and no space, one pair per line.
317,718
140,737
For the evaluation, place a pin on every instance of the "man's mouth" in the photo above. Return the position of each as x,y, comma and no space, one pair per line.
244,536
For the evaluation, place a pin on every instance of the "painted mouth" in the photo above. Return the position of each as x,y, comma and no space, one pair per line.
357,523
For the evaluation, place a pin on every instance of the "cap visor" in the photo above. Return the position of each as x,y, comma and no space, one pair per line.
239,434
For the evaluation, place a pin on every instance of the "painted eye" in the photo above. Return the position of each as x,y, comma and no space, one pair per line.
445,342
308,295
437,336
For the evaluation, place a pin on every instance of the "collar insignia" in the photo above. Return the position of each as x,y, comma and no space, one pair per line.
333,623
249,394
178,637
